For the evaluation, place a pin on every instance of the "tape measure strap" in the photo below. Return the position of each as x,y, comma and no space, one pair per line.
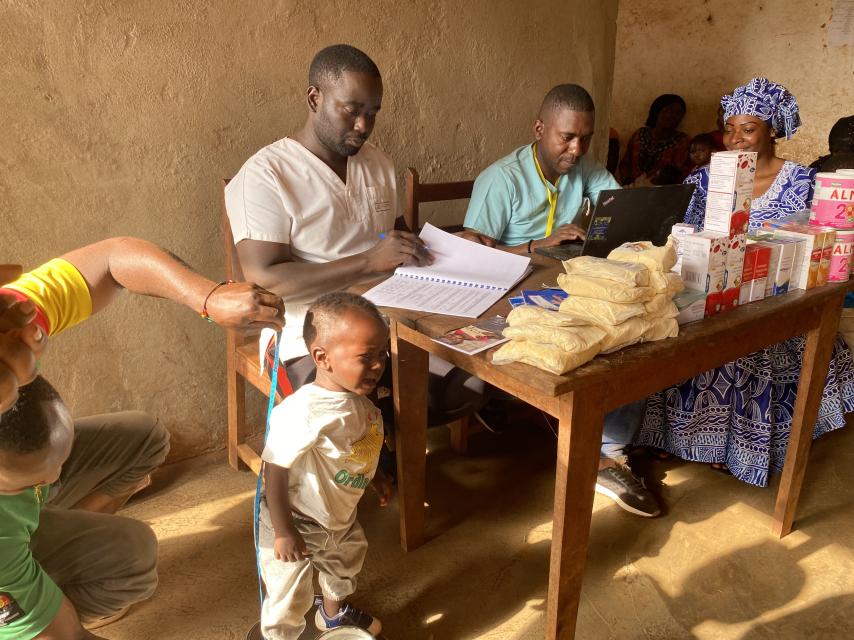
274,380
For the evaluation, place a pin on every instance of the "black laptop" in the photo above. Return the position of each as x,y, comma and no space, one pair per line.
626,215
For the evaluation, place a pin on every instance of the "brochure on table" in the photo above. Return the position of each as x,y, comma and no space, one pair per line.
465,279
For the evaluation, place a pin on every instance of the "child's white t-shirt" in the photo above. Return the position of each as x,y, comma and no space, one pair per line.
330,441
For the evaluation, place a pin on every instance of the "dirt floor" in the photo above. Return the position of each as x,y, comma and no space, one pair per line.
708,568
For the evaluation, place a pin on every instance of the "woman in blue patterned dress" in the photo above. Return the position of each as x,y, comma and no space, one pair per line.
739,416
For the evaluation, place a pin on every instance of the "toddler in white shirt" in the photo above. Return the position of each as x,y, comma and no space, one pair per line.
320,455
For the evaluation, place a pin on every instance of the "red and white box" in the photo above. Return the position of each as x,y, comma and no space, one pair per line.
826,255
757,259
704,266
679,231
730,192
733,271
807,263
782,257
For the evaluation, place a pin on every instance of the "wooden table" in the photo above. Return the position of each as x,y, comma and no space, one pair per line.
580,399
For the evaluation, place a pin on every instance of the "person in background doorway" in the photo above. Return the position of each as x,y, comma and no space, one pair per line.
718,134
702,147
613,161
839,140
658,144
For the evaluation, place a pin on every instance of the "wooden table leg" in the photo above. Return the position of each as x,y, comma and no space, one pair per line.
579,442
817,353
409,373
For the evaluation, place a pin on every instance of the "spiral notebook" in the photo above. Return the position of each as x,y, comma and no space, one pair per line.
464,280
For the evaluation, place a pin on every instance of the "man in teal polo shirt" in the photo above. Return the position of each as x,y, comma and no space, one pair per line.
528,199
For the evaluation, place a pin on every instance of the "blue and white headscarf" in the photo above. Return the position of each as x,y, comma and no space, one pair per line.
768,101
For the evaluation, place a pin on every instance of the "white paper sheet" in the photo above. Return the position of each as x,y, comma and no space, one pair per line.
465,278
434,297
456,259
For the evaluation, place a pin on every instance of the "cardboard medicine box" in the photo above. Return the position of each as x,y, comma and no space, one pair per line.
679,231
807,262
691,305
730,192
733,271
704,266
757,258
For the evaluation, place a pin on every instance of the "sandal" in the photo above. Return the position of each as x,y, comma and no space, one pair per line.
720,467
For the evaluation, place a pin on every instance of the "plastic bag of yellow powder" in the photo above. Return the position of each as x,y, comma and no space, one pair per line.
601,312
543,356
567,338
602,289
529,314
628,273
646,253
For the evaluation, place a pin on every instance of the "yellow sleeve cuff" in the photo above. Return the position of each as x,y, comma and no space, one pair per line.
61,292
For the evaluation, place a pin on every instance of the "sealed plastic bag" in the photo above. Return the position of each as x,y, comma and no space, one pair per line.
624,334
661,328
669,283
529,314
646,253
545,357
628,273
661,306
601,312
601,289
567,338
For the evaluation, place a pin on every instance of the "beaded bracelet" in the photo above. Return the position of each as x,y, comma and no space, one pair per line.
204,312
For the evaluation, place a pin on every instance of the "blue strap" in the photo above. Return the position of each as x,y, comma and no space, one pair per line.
274,378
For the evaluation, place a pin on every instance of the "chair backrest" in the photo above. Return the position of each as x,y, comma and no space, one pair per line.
233,271
418,192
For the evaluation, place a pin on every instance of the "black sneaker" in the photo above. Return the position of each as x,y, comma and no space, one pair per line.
627,490
347,616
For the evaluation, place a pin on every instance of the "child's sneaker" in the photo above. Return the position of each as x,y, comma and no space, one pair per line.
347,616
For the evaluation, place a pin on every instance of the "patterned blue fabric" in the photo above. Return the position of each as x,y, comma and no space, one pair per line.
790,193
741,414
768,101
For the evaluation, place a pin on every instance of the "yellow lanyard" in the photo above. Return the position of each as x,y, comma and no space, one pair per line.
551,195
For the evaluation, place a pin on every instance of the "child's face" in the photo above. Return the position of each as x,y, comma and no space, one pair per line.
701,154
353,355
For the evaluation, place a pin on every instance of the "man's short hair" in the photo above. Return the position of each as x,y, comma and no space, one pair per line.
841,136
26,426
330,63
567,96
331,307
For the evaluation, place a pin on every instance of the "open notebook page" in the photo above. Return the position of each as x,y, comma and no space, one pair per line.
456,259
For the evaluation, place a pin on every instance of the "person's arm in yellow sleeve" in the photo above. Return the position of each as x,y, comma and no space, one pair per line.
107,267
114,264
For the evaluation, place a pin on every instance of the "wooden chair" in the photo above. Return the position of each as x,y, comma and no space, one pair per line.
416,193
242,366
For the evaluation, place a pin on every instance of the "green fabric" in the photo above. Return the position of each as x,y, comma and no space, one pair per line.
21,577
509,201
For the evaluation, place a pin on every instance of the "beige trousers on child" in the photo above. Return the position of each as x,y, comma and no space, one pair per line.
103,563
338,558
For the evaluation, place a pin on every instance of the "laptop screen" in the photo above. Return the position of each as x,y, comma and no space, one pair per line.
635,214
